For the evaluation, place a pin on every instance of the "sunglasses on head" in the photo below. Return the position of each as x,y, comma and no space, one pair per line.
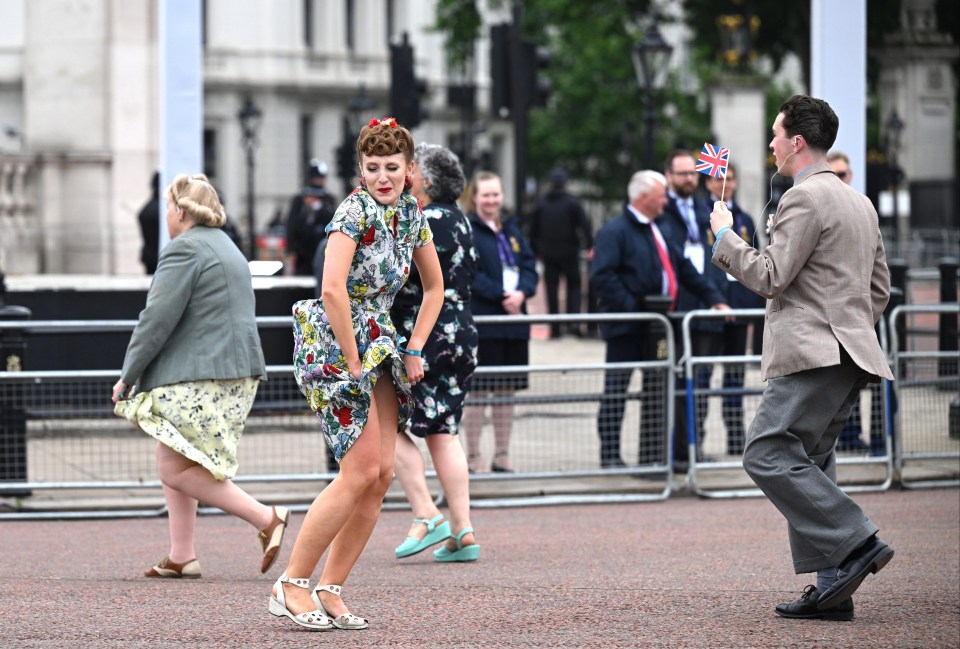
841,174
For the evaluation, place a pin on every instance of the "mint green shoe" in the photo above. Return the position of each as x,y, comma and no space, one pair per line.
435,534
462,553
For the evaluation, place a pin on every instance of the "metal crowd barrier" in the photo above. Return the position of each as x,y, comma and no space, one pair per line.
716,471
927,380
544,449
73,442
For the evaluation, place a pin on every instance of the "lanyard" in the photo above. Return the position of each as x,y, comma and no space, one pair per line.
690,217
506,254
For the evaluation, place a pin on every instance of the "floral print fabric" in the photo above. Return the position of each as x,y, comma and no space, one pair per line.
201,420
450,353
385,238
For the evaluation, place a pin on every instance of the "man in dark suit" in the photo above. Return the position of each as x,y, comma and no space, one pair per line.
826,281
559,230
686,225
633,260
149,219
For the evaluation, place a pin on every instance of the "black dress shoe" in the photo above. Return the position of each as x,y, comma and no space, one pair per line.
612,463
869,557
806,608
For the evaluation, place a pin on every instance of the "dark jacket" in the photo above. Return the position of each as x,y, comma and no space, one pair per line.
737,295
488,282
149,218
626,268
307,227
559,228
674,229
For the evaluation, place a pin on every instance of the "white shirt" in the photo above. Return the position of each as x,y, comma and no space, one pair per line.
665,283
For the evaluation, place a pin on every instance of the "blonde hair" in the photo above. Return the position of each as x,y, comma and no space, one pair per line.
198,199
473,187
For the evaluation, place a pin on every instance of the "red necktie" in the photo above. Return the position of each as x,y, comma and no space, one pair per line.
668,269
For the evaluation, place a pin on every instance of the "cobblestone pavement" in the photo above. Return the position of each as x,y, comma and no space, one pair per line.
683,573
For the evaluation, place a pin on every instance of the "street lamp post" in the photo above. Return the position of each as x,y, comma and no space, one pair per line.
650,58
351,124
249,117
357,107
894,127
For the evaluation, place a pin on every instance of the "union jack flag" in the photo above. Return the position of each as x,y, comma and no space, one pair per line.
713,160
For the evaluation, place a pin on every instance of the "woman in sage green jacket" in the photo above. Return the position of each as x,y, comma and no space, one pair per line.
196,362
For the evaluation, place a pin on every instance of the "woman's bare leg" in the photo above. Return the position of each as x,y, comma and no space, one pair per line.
349,543
502,429
451,465
410,469
472,428
341,500
184,483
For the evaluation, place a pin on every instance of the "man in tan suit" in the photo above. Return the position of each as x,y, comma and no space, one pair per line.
825,278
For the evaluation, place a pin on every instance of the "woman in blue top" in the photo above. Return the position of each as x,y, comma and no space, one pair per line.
356,371
506,278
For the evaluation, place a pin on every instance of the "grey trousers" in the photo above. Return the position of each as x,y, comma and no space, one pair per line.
790,456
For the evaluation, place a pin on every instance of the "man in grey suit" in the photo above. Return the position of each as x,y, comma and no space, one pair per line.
826,281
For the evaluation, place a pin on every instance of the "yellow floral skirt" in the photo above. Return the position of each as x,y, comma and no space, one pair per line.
201,420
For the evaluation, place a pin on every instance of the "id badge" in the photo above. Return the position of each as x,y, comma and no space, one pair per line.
511,278
694,252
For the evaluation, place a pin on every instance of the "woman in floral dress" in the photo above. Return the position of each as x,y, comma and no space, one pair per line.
450,358
195,360
356,371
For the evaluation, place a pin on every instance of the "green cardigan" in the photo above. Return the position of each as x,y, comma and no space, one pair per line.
199,322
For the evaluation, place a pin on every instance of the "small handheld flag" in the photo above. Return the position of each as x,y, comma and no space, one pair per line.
713,162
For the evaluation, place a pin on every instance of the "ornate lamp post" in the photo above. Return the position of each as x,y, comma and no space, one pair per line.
357,107
894,128
650,58
350,128
250,117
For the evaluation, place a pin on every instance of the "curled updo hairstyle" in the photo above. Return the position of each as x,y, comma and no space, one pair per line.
384,137
197,197
441,168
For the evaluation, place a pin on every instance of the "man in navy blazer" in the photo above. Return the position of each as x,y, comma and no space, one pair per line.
627,268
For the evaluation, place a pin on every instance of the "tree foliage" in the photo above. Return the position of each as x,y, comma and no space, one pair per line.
594,122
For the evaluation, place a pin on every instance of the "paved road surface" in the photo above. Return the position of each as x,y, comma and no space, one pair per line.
682,573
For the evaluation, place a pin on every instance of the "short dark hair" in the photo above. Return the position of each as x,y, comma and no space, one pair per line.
812,119
442,168
673,155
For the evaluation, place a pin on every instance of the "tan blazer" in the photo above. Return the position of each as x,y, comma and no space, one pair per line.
824,275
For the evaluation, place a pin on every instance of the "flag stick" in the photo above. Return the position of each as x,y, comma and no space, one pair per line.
724,188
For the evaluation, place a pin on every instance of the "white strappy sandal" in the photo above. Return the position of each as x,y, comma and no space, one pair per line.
317,620
347,621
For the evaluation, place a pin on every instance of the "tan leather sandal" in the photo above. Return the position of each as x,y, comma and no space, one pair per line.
170,570
272,536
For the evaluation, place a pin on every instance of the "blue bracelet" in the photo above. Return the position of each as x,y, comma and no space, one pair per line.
411,352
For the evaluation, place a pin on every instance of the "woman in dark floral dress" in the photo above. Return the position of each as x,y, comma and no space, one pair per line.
450,356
